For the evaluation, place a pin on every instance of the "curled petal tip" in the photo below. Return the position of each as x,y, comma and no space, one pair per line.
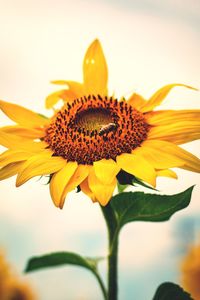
96,41
61,206
18,184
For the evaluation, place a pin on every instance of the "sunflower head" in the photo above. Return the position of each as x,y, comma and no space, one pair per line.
95,139
12,287
95,128
191,271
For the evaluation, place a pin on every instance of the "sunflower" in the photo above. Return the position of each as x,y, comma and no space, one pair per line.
4,274
190,268
11,286
94,137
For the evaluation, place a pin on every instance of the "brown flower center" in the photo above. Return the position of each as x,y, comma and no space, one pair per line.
95,127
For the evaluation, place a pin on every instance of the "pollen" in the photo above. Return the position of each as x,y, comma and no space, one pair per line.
94,127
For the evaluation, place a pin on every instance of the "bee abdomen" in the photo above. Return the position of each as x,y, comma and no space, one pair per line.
105,129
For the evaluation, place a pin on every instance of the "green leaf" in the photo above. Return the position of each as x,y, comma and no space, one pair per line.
139,206
139,182
66,258
94,261
171,291
125,179
58,259
121,187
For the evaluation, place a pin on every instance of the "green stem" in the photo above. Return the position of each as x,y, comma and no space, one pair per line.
112,225
112,274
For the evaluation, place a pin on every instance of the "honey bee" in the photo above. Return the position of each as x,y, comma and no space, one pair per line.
107,128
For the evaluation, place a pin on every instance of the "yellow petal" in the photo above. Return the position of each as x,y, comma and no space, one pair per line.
178,127
158,156
190,162
59,181
22,116
182,138
176,132
137,166
32,146
15,142
28,133
106,170
60,82
76,87
84,185
53,98
79,175
102,192
10,140
11,156
167,173
166,117
74,90
136,101
10,170
39,165
160,95
95,71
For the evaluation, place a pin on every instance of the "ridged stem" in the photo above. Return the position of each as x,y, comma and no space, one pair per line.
111,222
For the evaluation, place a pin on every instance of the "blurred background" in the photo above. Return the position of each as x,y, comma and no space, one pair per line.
147,43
